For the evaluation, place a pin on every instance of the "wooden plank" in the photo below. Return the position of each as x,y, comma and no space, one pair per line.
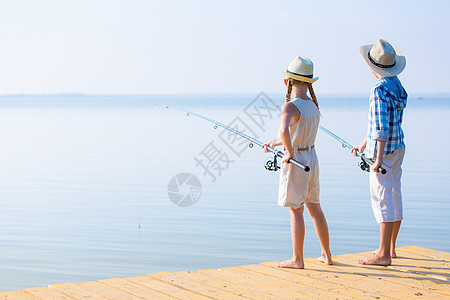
183,280
369,283
167,288
376,272
235,287
283,289
420,256
46,293
427,252
107,291
393,275
360,282
300,277
75,291
416,272
419,260
422,259
267,291
17,295
433,270
135,289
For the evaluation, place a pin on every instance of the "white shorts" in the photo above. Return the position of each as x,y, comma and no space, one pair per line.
385,189
297,186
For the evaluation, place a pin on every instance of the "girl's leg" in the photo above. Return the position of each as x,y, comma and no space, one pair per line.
298,236
321,226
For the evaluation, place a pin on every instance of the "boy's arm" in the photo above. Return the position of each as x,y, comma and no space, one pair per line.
379,109
380,153
360,148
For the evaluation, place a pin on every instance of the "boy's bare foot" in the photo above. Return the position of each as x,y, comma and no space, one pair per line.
325,259
375,260
291,264
393,253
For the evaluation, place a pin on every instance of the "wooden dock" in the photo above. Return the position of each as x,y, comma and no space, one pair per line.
417,273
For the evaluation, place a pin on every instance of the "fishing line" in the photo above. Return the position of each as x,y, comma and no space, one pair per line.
270,165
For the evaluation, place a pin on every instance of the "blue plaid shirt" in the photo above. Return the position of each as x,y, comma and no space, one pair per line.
386,104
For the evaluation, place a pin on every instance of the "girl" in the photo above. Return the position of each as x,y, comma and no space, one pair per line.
298,130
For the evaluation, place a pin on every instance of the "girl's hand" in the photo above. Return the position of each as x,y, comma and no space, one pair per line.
270,144
286,158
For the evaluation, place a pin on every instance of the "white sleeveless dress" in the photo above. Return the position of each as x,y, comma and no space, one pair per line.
297,186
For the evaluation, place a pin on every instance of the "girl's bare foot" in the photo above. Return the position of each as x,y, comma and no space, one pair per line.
393,254
292,264
375,260
325,259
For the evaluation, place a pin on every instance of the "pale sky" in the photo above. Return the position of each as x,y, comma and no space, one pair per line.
153,47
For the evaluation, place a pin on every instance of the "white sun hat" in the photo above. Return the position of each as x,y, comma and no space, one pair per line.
383,58
301,69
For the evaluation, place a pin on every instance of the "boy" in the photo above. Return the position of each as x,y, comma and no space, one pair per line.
385,145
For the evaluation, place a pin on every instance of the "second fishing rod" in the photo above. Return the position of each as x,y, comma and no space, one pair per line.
365,163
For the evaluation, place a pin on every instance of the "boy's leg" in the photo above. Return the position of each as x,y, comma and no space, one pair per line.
395,231
383,208
321,227
397,196
383,256
298,237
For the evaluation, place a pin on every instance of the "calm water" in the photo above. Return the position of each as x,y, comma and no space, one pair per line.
83,186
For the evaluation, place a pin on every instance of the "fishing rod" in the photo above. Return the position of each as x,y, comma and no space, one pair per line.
365,163
270,165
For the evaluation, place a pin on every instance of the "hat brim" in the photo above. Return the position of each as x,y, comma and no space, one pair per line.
300,78
400,62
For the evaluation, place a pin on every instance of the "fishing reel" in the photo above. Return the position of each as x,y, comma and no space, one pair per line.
364,166
271,164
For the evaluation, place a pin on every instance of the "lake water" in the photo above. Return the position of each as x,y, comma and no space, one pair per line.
84,185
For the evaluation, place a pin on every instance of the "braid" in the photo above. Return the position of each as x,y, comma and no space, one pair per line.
289,90
313,95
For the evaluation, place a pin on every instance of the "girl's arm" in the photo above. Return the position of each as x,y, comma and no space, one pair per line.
272,144
287,112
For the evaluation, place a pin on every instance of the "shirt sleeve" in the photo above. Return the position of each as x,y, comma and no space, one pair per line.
379,115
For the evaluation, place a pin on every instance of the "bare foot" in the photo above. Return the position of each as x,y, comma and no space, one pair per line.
393,254
291,264
325,259
375,260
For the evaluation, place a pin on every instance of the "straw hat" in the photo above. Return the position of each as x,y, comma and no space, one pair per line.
301,69
383,58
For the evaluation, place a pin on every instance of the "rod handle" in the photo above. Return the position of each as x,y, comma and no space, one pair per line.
292,161
298,164
370,162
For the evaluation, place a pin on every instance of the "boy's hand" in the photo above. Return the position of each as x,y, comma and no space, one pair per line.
360,148
376,165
